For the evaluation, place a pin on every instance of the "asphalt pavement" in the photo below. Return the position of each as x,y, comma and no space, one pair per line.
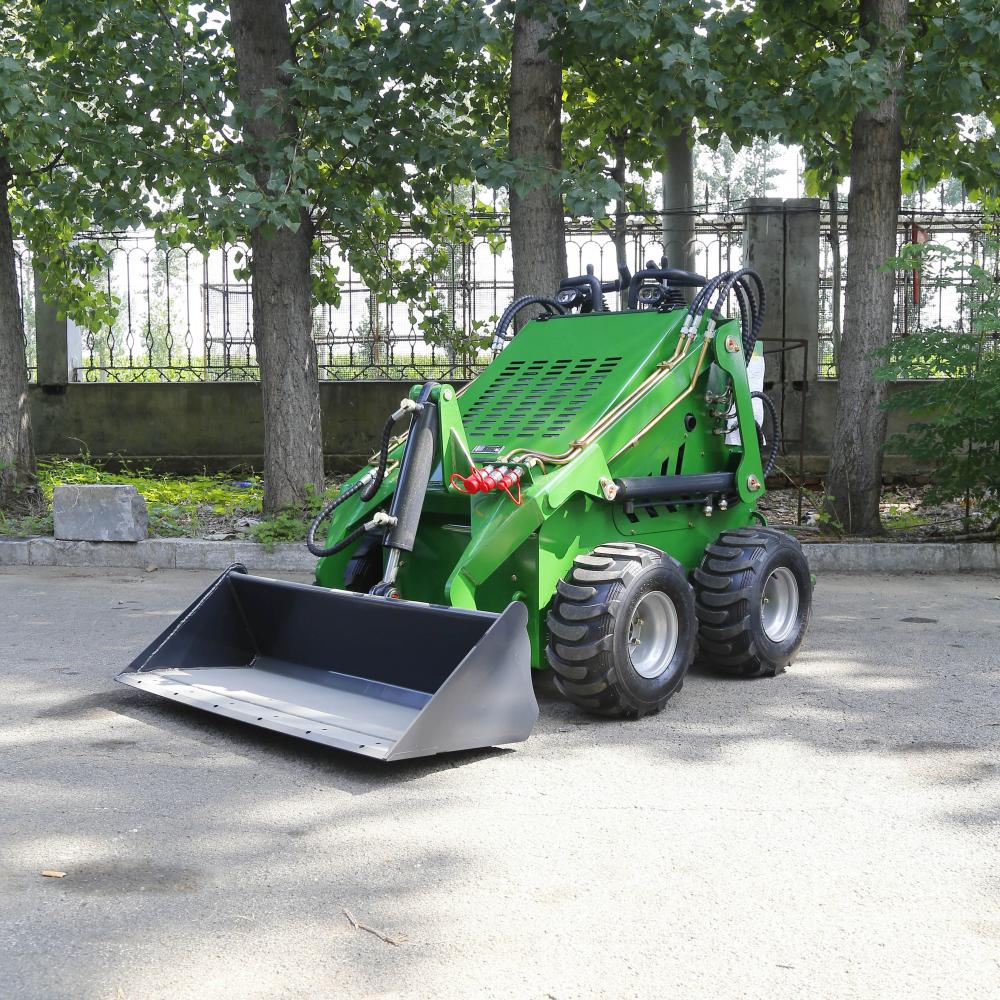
831,832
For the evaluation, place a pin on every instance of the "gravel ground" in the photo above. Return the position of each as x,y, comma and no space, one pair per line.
904,514
828,833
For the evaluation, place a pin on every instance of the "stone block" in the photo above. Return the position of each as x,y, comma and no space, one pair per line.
99,513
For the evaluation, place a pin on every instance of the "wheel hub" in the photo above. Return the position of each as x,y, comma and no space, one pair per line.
779,609
652,634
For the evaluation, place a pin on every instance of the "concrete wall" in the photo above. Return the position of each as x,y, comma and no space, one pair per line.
188,426
820,412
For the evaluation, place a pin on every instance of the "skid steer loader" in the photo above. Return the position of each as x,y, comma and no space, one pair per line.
587,504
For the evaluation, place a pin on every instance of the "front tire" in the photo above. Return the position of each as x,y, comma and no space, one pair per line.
622,630
754,599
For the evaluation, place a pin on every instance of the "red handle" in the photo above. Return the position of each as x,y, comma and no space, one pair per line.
485,480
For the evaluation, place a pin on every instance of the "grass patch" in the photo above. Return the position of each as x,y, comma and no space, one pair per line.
179,506
292,524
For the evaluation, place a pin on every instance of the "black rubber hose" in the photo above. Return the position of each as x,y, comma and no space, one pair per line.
553,308
311,542
772,456
745,303
703,293
758,315
383,458
742,278
700,300
757,309
732,279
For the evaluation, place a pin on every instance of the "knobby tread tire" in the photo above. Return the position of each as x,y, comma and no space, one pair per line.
729,590
587,615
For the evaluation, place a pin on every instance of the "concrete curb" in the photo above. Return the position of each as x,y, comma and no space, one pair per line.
903,557
163,553
196,553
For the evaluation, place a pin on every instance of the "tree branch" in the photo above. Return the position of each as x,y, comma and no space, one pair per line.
47,169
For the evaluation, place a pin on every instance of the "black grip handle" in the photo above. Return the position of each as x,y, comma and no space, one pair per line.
675,487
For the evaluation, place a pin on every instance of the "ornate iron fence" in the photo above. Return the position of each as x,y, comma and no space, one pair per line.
936,296
184,315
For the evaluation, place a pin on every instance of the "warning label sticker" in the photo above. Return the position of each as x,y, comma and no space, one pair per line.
487,449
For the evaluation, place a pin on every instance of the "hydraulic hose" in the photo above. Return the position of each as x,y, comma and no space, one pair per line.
772,410
383,459
551,306
700,301
743,277
757,312
314,547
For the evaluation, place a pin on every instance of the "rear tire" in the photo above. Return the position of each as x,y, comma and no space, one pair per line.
754,599
622,630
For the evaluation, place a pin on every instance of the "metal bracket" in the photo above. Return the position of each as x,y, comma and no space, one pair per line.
407,406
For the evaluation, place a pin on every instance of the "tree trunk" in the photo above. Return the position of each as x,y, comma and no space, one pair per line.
17,453
280,270
678,202
537,223
855,476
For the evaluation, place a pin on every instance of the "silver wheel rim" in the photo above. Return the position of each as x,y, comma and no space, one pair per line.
652,634
779,608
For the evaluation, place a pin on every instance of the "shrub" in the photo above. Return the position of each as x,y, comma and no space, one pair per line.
956,410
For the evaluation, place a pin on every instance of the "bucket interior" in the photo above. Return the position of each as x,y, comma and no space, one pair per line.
344,669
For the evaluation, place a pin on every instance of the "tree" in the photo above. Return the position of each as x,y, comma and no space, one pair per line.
345,119
280,260
855,472
864,87
17,457
537,222
632,93
731,177
53,127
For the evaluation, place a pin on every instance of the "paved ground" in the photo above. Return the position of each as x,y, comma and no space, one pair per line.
830,833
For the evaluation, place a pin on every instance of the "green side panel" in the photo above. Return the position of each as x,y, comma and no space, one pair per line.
558,376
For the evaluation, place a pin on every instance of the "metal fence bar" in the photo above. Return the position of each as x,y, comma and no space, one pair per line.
26,306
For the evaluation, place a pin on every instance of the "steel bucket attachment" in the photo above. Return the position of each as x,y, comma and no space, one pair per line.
385,678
